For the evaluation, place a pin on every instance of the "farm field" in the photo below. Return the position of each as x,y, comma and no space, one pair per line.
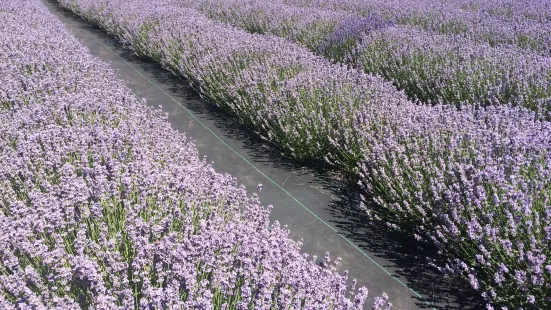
105,206
441,121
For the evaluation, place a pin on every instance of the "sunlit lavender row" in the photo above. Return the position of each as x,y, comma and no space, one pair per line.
525,24
430,67
475,182
537,10
104,206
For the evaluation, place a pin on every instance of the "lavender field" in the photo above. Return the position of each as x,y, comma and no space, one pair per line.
104,206
439,110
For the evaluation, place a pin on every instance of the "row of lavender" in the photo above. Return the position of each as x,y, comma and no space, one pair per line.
510,10
430,67
475,182
525,24
104,206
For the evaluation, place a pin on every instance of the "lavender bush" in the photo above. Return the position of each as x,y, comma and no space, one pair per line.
524,24
475,181
104,206
427,66
332,34
538,10
309,26
342,44
435,68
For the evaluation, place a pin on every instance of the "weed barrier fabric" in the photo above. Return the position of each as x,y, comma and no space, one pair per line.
316,205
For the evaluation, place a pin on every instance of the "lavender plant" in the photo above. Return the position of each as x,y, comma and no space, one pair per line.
433,68
427,66
341,45
308,26
328,33
509,10
524,24
475,183
104,206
